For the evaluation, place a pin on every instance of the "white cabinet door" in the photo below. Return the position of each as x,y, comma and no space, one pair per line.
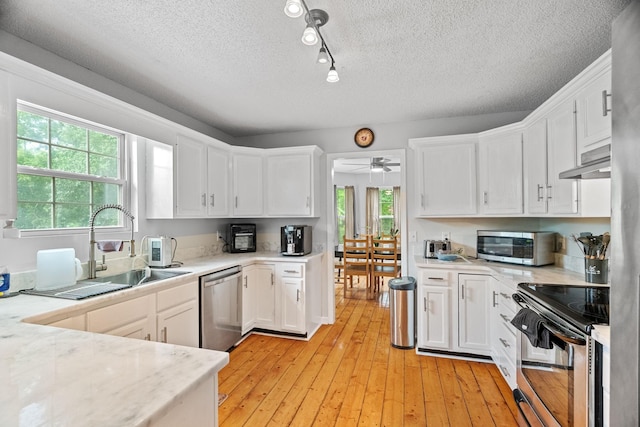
292,298
562,194
447,178
247,185
265,285
134,318
434,325
500,173
159,195
178,319
179,325
191,181
249,300
535,167
474,316
8,207
594,114
217,182
289,185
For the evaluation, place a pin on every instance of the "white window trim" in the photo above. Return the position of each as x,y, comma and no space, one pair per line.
125,168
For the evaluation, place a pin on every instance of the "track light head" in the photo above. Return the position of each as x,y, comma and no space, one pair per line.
332,77
323,58
293,8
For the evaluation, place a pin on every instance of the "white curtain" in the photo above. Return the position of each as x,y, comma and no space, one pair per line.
373,210
349,212
396,208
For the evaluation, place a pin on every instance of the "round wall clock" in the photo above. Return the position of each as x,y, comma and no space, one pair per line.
364,137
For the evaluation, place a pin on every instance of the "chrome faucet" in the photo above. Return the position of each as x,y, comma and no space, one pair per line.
93,266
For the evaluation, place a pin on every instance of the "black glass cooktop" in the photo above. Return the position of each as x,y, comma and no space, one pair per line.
583,306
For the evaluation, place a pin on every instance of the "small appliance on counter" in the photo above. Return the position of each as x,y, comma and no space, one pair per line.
241,238
295,240
432,247
160,252
517,247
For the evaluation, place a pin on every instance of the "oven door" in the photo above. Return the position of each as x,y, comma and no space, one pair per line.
555,382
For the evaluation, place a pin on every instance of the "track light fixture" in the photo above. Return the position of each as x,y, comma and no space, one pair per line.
315,19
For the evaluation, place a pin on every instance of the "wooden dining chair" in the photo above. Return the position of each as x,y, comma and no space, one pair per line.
356,259
384,261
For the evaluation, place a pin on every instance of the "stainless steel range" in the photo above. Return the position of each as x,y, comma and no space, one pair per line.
554,383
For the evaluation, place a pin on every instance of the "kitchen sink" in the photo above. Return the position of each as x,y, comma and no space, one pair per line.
136,277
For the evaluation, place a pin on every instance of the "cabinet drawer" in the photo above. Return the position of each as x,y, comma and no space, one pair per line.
507,368
177,295
435,277
504,298
292,270
506,338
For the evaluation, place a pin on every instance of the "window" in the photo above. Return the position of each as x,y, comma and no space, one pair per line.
340,214
386,220
66,169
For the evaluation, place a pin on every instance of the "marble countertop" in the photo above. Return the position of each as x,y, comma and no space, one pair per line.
507,273
54,376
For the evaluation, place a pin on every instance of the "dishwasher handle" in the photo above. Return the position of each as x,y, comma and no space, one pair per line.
208,283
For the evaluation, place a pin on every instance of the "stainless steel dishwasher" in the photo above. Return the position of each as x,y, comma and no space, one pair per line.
221,309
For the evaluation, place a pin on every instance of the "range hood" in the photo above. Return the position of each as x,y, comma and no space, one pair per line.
596,164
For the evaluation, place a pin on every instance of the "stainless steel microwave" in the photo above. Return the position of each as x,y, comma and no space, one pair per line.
517,247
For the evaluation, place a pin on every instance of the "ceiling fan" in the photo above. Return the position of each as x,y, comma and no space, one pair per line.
377,163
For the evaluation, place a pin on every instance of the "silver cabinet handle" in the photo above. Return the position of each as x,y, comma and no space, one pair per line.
272,279
549,191
213,199
147,337
484,197
422,200
245,281
504,370
308,201
236,201
540,196
605,107
163,336
290,271
495,303
204,199
298,295
505,296
435,278
505,318
462,289
504,342
424,299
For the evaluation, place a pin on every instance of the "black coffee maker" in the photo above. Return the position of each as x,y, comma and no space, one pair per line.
295,240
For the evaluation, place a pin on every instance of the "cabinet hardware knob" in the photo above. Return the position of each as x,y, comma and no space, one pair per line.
462,289
204,199
213,199
495,303
540,196
605,107
549,187
504,342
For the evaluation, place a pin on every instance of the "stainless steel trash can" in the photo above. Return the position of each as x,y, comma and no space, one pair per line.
402,309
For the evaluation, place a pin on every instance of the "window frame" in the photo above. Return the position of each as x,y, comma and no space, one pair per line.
124,168
380,216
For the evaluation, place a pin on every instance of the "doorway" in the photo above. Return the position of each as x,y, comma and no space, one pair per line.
381,172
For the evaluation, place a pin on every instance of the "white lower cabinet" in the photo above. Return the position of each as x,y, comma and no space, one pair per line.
264,286
178,315
134,318
169,316
274,297
474,319
503,334
434,325
291,284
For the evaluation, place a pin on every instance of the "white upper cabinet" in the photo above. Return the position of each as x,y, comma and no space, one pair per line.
202,179
593,105
446,175
217,182
535,167
562,194
191,178
500,172
292,181
248,182
8,207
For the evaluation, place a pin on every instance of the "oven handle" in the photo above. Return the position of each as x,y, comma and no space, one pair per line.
570,339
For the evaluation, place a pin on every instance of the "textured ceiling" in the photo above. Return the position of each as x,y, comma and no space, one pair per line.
240,65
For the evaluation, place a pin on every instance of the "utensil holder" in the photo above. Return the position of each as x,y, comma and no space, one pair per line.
596,270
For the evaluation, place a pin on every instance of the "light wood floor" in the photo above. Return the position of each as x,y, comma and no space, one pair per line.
348,374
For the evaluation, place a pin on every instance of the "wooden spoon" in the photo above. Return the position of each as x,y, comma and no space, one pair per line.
606,238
